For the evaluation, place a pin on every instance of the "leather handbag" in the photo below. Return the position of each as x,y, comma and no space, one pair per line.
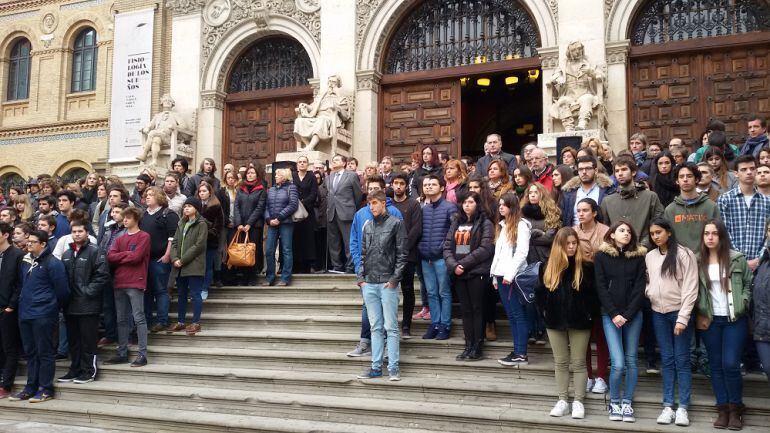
300,214
241,254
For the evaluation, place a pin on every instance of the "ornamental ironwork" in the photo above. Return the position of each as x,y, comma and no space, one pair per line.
271,63
448,33
661,21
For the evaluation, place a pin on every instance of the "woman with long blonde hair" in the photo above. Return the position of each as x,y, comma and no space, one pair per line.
23,206
511,249
567,298
456,177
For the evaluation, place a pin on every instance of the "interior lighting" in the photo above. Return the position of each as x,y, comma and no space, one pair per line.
484,82
511,81
533,75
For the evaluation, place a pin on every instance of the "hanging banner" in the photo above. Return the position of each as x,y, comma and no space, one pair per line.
131,83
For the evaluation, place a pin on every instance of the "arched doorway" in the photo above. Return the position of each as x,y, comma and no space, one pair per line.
695,60
265,84
11,179
457,70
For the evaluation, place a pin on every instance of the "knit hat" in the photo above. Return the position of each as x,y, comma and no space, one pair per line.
144,178
194,202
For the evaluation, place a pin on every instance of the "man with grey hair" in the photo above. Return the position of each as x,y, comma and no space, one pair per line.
542,170
493,149
526,154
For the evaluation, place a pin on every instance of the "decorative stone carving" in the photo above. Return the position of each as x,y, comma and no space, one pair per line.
364,11
167,129
259,11
213,99
368,80
309,6
617,55
576,90
554,6
324,120
608,4
185,7
217,12
48,23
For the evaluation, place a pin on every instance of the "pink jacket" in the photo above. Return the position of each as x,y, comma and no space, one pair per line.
676,292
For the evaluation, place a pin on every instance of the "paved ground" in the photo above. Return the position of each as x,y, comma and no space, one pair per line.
36,427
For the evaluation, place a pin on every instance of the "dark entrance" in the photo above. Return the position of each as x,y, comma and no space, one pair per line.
509,104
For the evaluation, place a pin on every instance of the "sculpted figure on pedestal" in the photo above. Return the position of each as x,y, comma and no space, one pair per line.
159,132
577,90
323,120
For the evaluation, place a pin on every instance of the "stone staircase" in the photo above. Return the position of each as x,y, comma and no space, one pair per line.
273,360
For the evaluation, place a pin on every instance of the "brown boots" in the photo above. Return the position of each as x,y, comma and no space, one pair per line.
491,332
730,417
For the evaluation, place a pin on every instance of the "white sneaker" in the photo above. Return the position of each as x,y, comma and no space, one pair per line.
681,417
578,411
561,408
667,416
628,413
589,385
600,386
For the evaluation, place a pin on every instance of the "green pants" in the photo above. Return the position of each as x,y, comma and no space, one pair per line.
570,346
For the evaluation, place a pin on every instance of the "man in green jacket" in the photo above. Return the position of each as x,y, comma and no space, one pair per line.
690,210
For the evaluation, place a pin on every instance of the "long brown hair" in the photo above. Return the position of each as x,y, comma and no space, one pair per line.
558,261
723,255
551,212
213,200
511,201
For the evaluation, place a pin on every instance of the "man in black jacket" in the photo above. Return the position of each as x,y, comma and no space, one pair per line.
10,286
412,213
88,276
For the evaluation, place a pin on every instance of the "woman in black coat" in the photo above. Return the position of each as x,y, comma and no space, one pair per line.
212,212
304,231
249,217
468,252
319,208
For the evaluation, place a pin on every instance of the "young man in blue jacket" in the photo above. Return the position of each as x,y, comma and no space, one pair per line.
44,290
373,183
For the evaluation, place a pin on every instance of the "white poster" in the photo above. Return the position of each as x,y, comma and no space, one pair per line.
131,83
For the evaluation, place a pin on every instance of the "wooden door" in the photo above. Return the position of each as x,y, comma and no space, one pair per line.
413,115
259,129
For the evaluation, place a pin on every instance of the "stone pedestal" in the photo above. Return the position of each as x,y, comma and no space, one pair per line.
547,141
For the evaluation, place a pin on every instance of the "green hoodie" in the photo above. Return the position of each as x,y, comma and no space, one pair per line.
688,220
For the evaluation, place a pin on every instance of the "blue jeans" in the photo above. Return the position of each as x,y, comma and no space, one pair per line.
212,254
763,350
37,337
724,342
675,357
284,232
63,347
193,286
623,344
382,306
518,318
439,292
156,297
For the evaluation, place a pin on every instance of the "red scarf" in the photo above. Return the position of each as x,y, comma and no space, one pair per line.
249,187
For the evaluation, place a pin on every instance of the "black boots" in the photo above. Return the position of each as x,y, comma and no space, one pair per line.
464,356
476,353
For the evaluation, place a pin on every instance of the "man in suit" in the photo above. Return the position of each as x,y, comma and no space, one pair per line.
342,202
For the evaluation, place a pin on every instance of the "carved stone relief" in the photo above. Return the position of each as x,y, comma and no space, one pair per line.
48,23
217,12
364,11
608,4
184,7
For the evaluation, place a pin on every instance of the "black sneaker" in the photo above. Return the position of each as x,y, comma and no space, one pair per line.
69,377
508,360
521,360
140,361
60,356
406,334
117,359
85,378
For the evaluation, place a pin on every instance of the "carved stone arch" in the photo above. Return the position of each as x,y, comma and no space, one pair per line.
619,20
236,40
21,31
74,164
384,22
10,169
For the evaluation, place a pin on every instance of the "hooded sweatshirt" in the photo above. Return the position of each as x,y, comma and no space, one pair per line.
635,204
688,219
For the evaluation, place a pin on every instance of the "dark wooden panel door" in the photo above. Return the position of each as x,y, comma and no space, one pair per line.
413,115
737,85
259,129
665,100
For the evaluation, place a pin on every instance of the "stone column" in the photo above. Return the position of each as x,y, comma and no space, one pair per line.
617,109
583,21
210,125
366,128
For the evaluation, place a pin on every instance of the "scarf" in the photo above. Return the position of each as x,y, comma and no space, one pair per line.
665,188
629,191
520,190
532,212
754,144
249,187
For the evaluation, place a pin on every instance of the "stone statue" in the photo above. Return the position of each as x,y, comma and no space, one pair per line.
321,121
158,133
576,90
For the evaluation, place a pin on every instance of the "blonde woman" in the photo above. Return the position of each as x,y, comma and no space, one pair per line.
539,208
282,202
456,178
567,298
23,206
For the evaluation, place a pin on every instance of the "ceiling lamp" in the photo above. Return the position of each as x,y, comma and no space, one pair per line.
533,75
511,81
484,82
521,131
529,127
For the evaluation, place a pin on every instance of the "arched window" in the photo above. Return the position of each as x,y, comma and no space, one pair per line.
73,175
84,61
662,21
9,180
18,70
448,33
271,63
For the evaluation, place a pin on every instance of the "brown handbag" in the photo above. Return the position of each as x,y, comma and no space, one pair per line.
241,254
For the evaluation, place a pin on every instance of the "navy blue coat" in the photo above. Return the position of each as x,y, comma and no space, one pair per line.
282,202
44,286
436,220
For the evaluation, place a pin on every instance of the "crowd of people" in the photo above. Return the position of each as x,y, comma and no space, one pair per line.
663,245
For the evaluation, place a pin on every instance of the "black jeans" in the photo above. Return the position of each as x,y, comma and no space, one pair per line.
407,288
10,348
83,334
472,294
490,302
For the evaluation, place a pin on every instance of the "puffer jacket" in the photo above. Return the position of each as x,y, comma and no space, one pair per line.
760,298
569,196
482,247
44,288
568,308
282,202
383,250
740,288
88,275
620,280
436,219
192,249
249,206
